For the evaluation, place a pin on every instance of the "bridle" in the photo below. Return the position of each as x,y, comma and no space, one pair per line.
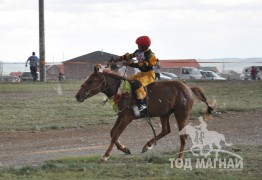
102,86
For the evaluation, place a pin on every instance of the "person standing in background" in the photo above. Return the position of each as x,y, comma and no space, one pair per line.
157,70
33,62
253,73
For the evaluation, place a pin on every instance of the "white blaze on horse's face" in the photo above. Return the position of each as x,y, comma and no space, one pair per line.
90,87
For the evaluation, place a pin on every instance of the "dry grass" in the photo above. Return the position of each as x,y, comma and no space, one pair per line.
39,106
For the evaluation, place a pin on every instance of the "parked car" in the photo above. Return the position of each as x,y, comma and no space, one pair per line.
211,75
246,73
188,73
171,75
164,77
9,79
27,76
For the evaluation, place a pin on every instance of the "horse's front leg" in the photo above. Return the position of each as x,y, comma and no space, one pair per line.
165,130
119,146
120,128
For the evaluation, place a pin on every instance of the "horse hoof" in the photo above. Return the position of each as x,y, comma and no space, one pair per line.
146,148
127,151
103,159
179,163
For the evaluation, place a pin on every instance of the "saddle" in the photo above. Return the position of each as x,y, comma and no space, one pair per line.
125,91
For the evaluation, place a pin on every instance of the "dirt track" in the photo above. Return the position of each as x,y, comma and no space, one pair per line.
33,148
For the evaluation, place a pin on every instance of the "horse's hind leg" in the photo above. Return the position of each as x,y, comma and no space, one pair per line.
181,117
165,130
118,144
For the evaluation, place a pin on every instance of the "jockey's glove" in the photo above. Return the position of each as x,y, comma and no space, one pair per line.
127,57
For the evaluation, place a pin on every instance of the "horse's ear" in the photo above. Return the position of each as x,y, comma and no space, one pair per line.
98,68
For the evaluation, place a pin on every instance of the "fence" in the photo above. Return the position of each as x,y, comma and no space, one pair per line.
229,68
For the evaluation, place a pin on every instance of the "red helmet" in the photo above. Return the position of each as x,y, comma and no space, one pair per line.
143,41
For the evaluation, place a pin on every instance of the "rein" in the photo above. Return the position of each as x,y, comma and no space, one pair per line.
101,88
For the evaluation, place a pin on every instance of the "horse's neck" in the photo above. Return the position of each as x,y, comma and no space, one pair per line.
112,85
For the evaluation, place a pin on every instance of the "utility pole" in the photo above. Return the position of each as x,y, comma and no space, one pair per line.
42,40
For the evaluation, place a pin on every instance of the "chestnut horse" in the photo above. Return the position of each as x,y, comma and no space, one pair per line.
163,98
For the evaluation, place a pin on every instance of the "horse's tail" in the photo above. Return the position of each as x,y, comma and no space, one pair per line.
200,95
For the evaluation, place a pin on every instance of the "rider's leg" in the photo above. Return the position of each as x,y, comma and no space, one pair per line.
139,90
141,94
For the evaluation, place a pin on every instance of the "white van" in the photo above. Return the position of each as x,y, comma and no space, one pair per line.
246,73
188,73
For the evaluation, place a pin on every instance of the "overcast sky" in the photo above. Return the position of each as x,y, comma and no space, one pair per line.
178,29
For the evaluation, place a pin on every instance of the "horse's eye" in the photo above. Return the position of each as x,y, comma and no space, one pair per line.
89,82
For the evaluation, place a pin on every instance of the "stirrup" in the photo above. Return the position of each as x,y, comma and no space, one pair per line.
142,107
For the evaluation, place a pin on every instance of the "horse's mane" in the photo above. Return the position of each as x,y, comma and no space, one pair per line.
114,75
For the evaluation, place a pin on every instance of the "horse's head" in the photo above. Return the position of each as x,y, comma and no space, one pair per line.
94,84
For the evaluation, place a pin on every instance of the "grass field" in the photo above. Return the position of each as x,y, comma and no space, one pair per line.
40,106
43,106
148,166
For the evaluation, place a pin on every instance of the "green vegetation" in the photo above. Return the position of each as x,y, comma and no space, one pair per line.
235,95
146,166
40,106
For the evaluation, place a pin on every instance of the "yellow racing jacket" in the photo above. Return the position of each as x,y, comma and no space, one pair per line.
146,60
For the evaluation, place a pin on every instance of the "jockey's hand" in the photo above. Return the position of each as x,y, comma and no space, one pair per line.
127,56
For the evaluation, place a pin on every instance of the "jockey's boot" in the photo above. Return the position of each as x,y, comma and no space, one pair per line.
141,104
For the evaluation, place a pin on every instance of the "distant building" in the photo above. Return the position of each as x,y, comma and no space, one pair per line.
52,71
81,67
16,73
169,65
